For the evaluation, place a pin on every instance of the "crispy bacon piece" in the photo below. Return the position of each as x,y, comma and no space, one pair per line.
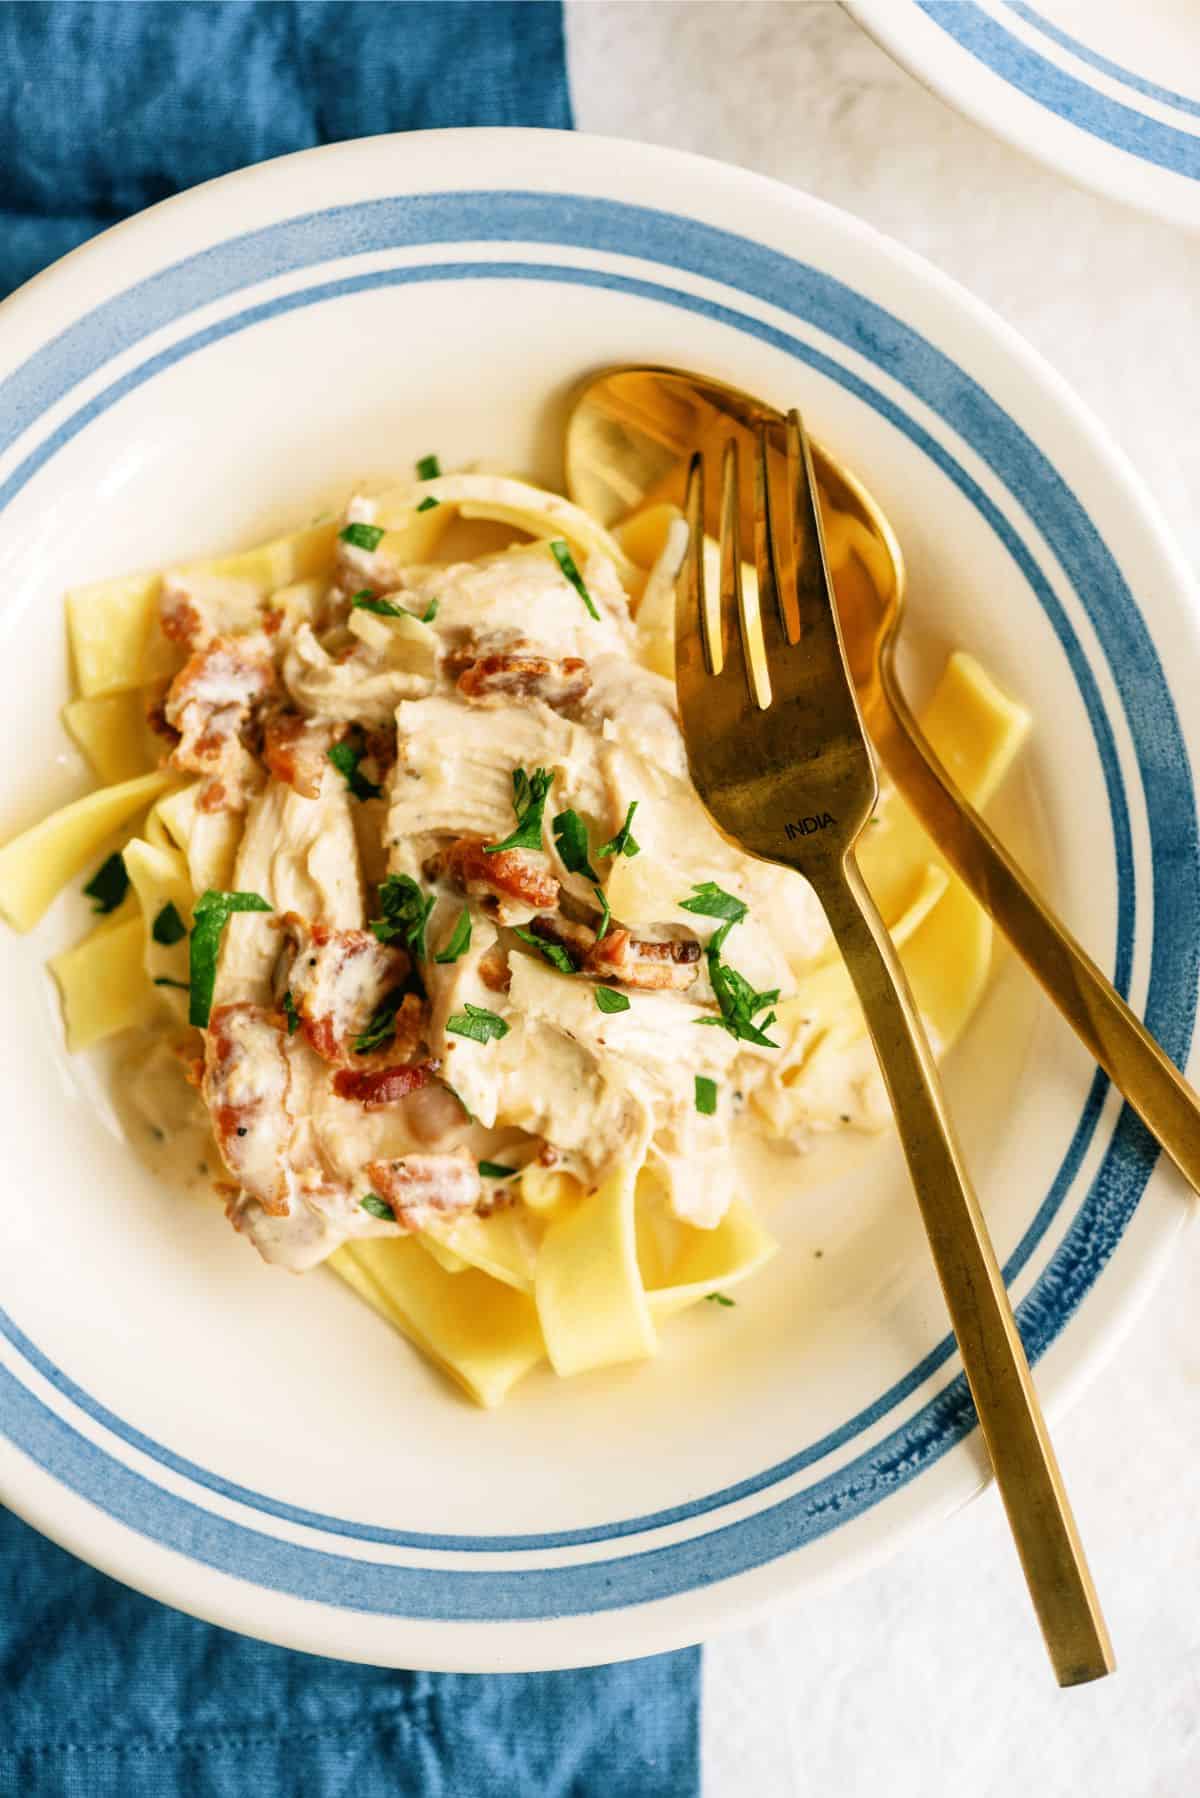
380,748
420,1188
156,718
510,884
620,956
377,1087
633,961
338,980
178,617
246,1086
296,750
558,682
210,703
576,939
494,971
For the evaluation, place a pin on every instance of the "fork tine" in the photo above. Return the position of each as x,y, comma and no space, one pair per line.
769,565
814,600
693,620
737,626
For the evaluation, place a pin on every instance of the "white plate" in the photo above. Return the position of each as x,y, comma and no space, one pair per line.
1105,91
259,1449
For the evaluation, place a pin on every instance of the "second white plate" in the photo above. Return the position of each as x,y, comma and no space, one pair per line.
1104,91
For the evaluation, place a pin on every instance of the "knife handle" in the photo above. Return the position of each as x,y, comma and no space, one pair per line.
1113,1035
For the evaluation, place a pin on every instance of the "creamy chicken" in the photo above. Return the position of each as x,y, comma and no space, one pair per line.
499,918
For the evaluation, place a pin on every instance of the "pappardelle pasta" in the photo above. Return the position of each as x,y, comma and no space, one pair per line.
413,907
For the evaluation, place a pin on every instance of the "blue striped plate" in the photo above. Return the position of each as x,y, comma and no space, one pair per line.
258,1449
1104,92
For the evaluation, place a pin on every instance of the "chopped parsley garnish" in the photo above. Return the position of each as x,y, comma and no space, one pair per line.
623,843
718,1298
428,503
363,536
405,910
212,912
529,803
555,954
108,885
163,980
381,1026
481,1025
609,999
346,757
706,1095
460,938
496,1170
168,927
428,468
431,610
571,837
377,1207
290,1013
606,913
739,1002
566,562
709,900
366,601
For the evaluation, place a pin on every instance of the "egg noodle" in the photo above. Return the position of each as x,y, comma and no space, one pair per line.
401,869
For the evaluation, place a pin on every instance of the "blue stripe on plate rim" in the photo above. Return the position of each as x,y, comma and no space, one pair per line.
1124,127
672,241
1164,95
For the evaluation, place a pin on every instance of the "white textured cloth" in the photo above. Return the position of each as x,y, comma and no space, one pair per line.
926,1679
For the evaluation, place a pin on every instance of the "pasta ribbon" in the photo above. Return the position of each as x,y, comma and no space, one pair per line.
103,983
35,866
712,1259
502,1246
159,877
588,1286
112,732
482,1333
110,623
505,501
209,840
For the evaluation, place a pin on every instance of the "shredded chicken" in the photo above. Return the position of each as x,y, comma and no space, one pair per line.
511,884
355,689
338,981
247,1087
210,703
493,971
496,702
421,1188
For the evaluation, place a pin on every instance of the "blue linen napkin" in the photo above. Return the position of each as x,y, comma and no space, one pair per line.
103,1693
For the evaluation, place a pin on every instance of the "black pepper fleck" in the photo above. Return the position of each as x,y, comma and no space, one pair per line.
241,1130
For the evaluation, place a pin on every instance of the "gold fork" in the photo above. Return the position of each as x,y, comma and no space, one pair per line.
779,756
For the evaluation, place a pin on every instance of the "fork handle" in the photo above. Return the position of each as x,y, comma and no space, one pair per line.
1113,1034
997,1370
